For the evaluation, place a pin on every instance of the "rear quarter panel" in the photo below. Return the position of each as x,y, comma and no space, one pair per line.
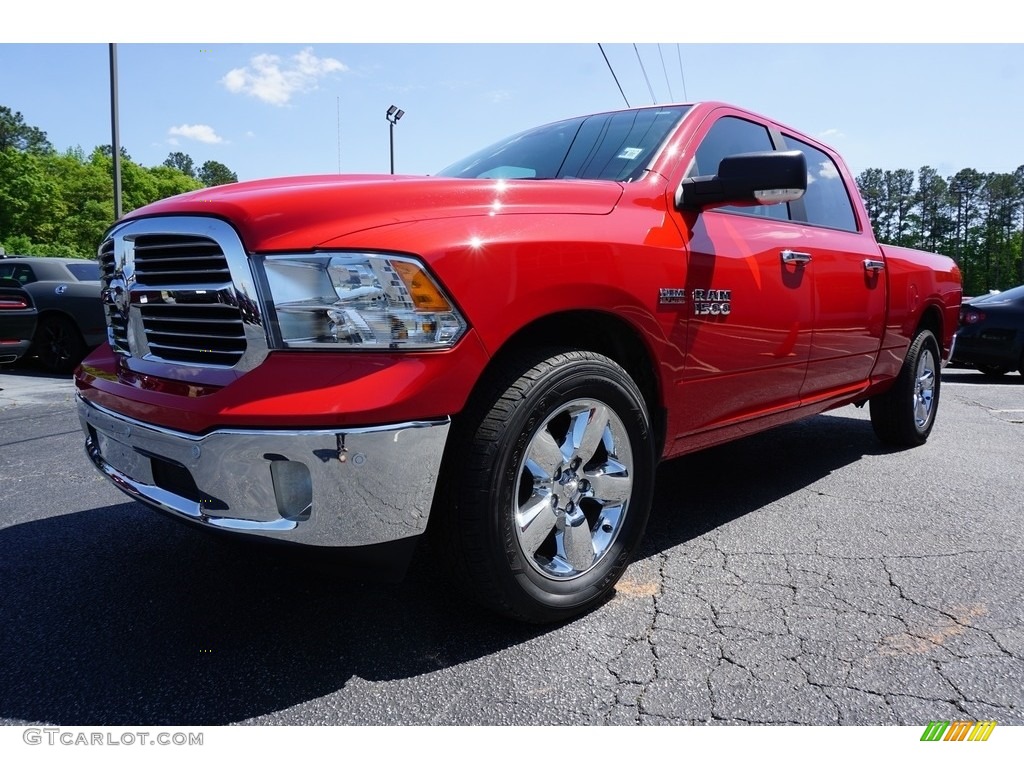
923,287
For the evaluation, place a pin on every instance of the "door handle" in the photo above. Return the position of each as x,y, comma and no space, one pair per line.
795,257
873,265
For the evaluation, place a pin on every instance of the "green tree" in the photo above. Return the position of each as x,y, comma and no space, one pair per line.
935,223
105,149
30,199
170,181
871,184
182,162
1000,203
213,174
964,193
15,133
899,198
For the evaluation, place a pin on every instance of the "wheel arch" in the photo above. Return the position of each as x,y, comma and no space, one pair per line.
49,312
931,320
594,331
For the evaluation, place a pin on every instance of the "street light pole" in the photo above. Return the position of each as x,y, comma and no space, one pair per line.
393,116
115,134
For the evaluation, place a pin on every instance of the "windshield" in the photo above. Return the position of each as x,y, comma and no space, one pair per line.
1005,297
616,146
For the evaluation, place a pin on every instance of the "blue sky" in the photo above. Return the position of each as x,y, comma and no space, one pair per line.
279,108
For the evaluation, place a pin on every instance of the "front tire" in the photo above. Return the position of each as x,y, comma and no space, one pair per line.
548,486
905,415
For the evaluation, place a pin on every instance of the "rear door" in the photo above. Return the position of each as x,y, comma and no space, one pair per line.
849,296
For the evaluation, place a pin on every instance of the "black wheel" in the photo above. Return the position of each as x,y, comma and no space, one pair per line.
547,489
993,371
906,413
57,344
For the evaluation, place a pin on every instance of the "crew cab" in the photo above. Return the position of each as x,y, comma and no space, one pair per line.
498,356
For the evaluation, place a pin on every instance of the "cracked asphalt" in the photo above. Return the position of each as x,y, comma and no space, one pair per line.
805,575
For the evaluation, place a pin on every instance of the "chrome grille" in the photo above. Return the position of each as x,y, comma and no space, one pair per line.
180,290
117,325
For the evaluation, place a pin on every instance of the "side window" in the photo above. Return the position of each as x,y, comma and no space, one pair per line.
826,202
20,272
733,136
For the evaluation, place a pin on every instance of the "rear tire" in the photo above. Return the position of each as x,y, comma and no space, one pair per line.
904,415
58,344
547,488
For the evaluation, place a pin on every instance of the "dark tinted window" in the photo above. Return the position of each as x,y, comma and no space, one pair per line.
87,270
734,136
20,272
826,201
616,146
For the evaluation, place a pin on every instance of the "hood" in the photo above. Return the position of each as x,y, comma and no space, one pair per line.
305,211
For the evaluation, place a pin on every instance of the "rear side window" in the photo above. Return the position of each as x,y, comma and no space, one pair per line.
734,136
85,271
826,202
20,272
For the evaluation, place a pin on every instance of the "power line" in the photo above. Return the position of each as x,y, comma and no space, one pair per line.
665,70
646,79
613,74
681,75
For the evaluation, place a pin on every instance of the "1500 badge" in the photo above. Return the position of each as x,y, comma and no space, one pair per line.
711,302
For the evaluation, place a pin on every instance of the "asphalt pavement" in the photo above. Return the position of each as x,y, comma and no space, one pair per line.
805,575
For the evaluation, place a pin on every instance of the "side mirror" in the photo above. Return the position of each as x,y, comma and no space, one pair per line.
752,178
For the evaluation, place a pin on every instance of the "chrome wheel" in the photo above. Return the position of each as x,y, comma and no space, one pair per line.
904,414
546,485
924,388
575,482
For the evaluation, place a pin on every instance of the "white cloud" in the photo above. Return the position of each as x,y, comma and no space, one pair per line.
269,80
203,133
828,171
496,97
831,133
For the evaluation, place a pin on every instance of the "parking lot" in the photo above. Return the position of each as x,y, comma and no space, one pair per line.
804,575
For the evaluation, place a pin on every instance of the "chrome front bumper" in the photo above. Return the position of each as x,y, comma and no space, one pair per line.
337,488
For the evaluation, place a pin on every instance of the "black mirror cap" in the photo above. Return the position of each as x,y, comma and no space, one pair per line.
751,178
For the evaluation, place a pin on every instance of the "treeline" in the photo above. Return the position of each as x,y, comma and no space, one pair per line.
60,203
976,218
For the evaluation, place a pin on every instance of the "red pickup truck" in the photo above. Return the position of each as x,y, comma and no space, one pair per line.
498,356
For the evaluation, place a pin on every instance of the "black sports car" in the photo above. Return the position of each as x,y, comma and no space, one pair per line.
991,333
66,294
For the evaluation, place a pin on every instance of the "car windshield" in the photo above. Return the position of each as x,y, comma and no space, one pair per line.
616,146
1005,297
87,270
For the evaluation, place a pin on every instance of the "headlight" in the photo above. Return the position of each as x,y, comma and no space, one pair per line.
359,301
